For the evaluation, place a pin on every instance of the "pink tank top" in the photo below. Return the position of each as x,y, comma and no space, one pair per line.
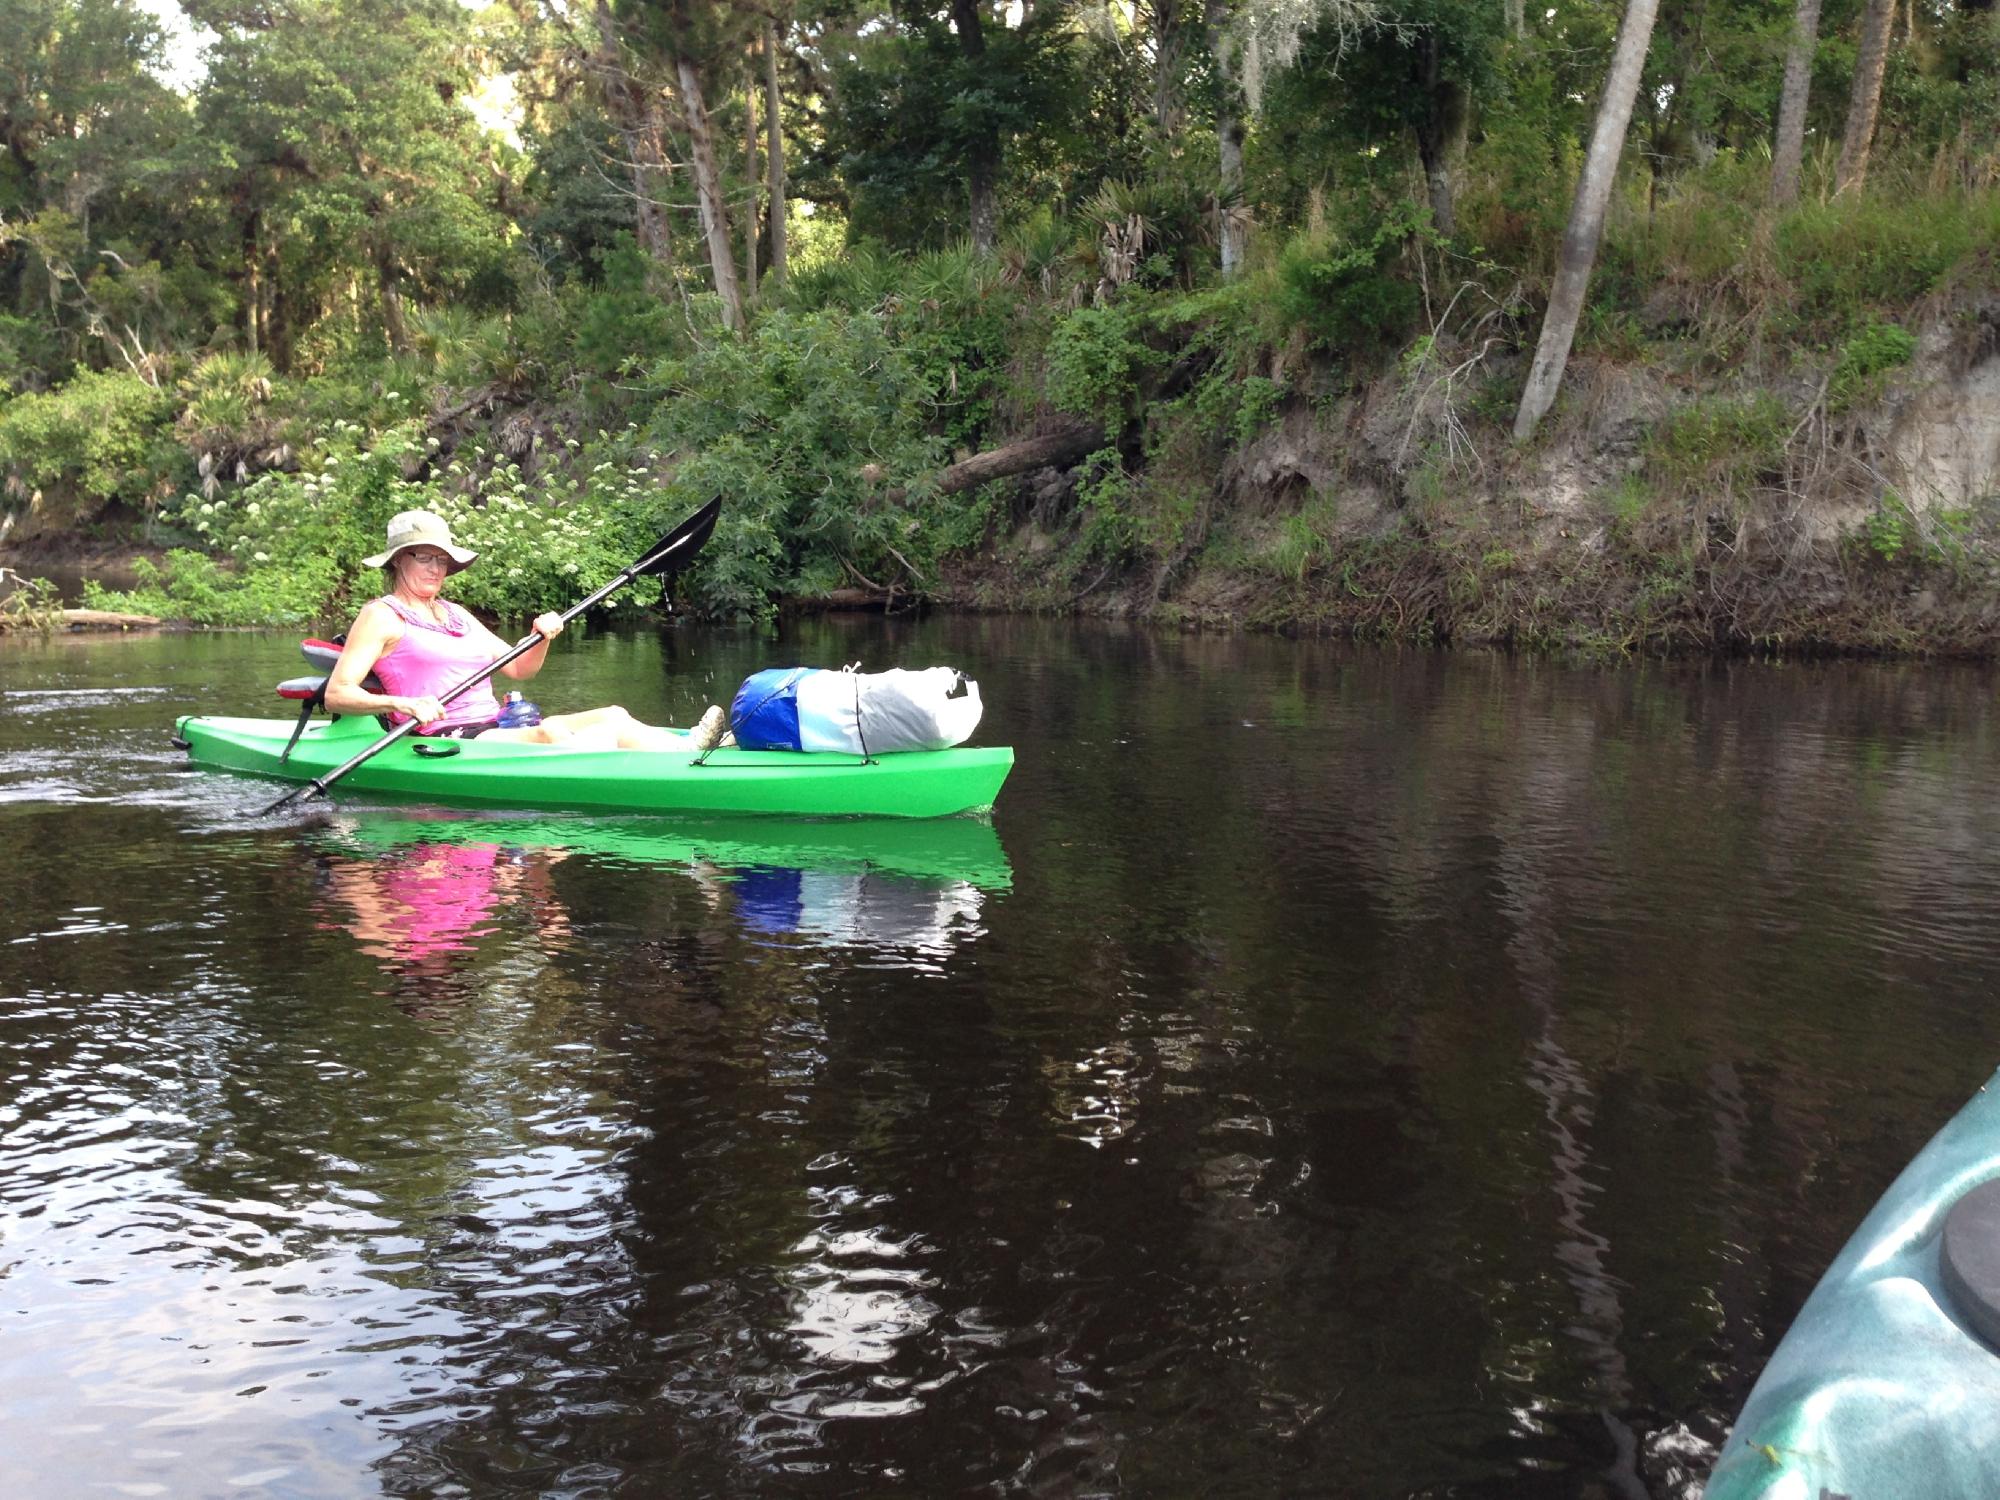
431,657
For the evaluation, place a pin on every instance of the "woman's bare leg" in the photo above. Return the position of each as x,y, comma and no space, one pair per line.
608,729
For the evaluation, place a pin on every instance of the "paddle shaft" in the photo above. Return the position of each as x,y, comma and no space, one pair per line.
695,529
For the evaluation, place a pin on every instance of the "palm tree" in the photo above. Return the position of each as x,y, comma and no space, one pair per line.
1865,102
1586,216
1790,147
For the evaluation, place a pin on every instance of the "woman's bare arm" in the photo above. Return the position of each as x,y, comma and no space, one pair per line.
530,662
376,629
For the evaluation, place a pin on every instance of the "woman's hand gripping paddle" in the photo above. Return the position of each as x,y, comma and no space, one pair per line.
664,558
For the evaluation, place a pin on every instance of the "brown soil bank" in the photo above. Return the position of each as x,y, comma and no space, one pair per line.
1658,510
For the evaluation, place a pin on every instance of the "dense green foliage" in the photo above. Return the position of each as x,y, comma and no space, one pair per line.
258,310
99,437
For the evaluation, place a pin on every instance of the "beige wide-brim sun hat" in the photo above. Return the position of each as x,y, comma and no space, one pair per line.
420,528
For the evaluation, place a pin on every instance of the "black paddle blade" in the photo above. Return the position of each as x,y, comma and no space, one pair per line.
291,798
677,548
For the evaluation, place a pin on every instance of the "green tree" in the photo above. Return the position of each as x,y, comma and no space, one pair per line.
928,113
697,47
1415,71
336,138
1247,41
83,122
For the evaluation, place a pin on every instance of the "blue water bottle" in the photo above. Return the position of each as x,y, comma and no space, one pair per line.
517,712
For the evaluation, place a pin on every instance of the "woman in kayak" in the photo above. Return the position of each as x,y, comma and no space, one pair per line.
418,644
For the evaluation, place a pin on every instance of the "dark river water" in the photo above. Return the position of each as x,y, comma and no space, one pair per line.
1332,1071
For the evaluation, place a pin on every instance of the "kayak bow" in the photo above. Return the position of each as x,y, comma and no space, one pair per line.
1884,1388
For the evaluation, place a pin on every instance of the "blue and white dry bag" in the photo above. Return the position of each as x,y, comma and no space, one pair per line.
861,713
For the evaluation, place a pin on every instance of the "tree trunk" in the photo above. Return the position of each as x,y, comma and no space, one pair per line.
647,145
1437,181
1517,19
277,317
253,286
1168,43
774,154
1789,150
1586,216
1233,222
982,159
708,192
750,215
391,294
1066,445
981,170
638,120
1865,102
1440,134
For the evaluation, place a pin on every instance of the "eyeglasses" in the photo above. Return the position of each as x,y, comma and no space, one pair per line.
428,559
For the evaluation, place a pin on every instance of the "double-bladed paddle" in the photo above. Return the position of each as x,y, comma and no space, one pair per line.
667,556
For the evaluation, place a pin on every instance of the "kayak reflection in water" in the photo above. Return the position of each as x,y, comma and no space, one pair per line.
428,886
874,909
417,643
422,912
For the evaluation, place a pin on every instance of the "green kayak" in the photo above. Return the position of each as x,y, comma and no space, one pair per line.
499,773
1887,1384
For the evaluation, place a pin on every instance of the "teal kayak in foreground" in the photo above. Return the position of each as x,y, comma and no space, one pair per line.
1885,1387
501,773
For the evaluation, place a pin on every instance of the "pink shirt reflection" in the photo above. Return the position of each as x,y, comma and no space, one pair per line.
424,902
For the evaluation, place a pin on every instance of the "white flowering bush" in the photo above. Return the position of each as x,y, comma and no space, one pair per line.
287,547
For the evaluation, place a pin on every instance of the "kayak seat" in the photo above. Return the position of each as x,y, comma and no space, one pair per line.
310,692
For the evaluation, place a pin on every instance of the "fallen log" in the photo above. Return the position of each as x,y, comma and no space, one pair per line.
843,598
1054,449
106,619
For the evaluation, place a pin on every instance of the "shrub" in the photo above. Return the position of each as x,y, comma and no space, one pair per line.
29,352
1877,348
1344,293
954,318
1096,360
232,402
28,604
291,544
101,437
860,280
1893,529
1717,446
812,425
1857,250
627,323
1108,530
201,590
1166,218
1695,238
